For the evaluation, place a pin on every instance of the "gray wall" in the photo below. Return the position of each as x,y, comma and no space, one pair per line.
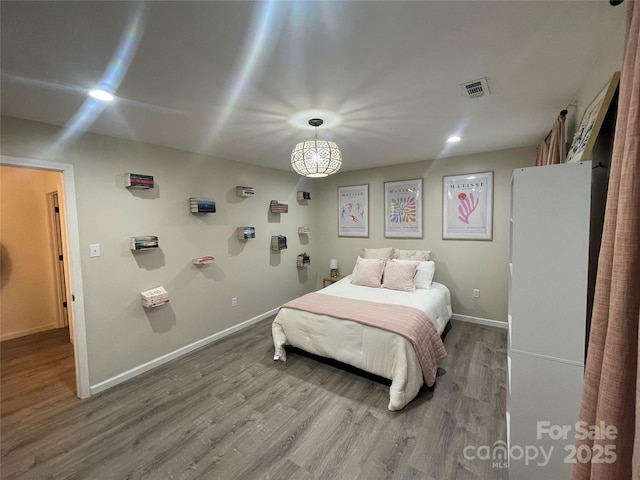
462,265
121,335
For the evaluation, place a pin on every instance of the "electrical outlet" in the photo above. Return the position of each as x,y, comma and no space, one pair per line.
476,293
234,301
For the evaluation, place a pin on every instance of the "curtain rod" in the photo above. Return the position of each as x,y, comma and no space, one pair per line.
563,113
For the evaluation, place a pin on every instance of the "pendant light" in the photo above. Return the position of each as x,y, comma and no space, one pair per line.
316,158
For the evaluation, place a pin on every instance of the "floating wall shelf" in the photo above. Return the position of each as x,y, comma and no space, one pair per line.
203,260
245,233
278,242
304,230
279,207
303,260
154,297
202,205
137,180
304,196
143,243
245,191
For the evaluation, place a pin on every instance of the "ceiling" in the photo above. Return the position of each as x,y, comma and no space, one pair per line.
226,78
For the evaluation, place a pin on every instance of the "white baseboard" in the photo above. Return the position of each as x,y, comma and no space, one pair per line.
480,321
145,367
27,331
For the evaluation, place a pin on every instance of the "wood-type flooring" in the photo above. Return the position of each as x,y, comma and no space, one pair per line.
229,412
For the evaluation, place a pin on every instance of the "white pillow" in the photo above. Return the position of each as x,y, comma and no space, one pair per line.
377,252
368,272
419,255
398,275
424,273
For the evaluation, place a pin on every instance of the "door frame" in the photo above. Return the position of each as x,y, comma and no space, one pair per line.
75,272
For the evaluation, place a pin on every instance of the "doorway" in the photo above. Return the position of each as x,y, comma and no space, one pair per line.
62,240
58,241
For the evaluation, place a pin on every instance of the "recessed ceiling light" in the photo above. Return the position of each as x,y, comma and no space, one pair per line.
101,95
454,139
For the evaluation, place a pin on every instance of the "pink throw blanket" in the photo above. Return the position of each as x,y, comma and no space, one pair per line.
409,322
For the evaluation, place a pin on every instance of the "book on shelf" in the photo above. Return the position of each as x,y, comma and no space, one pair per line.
245,233
154,297
203,260
304,230
245,191
143,242
304,260
137,180
278,242
279,207
304,196
199,204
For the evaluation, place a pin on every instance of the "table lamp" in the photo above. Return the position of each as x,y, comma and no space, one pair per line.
333,265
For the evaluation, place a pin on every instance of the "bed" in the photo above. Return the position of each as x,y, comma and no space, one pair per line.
324,323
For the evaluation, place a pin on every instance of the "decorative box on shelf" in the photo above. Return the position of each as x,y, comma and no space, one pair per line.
143,243
137,180
245,233
304,230
245,191
279,207
278,242
154,297
202,205
304,260
304,196
203,260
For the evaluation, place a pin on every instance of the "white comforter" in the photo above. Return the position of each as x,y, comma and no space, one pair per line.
371,349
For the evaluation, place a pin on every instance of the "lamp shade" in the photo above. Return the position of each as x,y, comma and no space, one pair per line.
316,158
333,263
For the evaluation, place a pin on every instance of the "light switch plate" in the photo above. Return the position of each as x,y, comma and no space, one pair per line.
94,249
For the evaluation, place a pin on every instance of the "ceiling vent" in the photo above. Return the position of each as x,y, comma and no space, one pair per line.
475,89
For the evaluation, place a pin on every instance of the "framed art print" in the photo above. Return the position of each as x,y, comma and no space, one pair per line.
353,211
403,209
467,206
585,136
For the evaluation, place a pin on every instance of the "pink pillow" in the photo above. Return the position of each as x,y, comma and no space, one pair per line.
368,272
399,275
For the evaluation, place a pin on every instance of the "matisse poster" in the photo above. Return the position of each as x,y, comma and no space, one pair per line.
403,209
467,207
353,211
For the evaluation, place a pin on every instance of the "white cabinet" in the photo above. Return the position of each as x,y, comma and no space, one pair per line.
548,269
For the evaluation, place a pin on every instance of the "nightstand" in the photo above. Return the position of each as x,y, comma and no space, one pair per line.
329,280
